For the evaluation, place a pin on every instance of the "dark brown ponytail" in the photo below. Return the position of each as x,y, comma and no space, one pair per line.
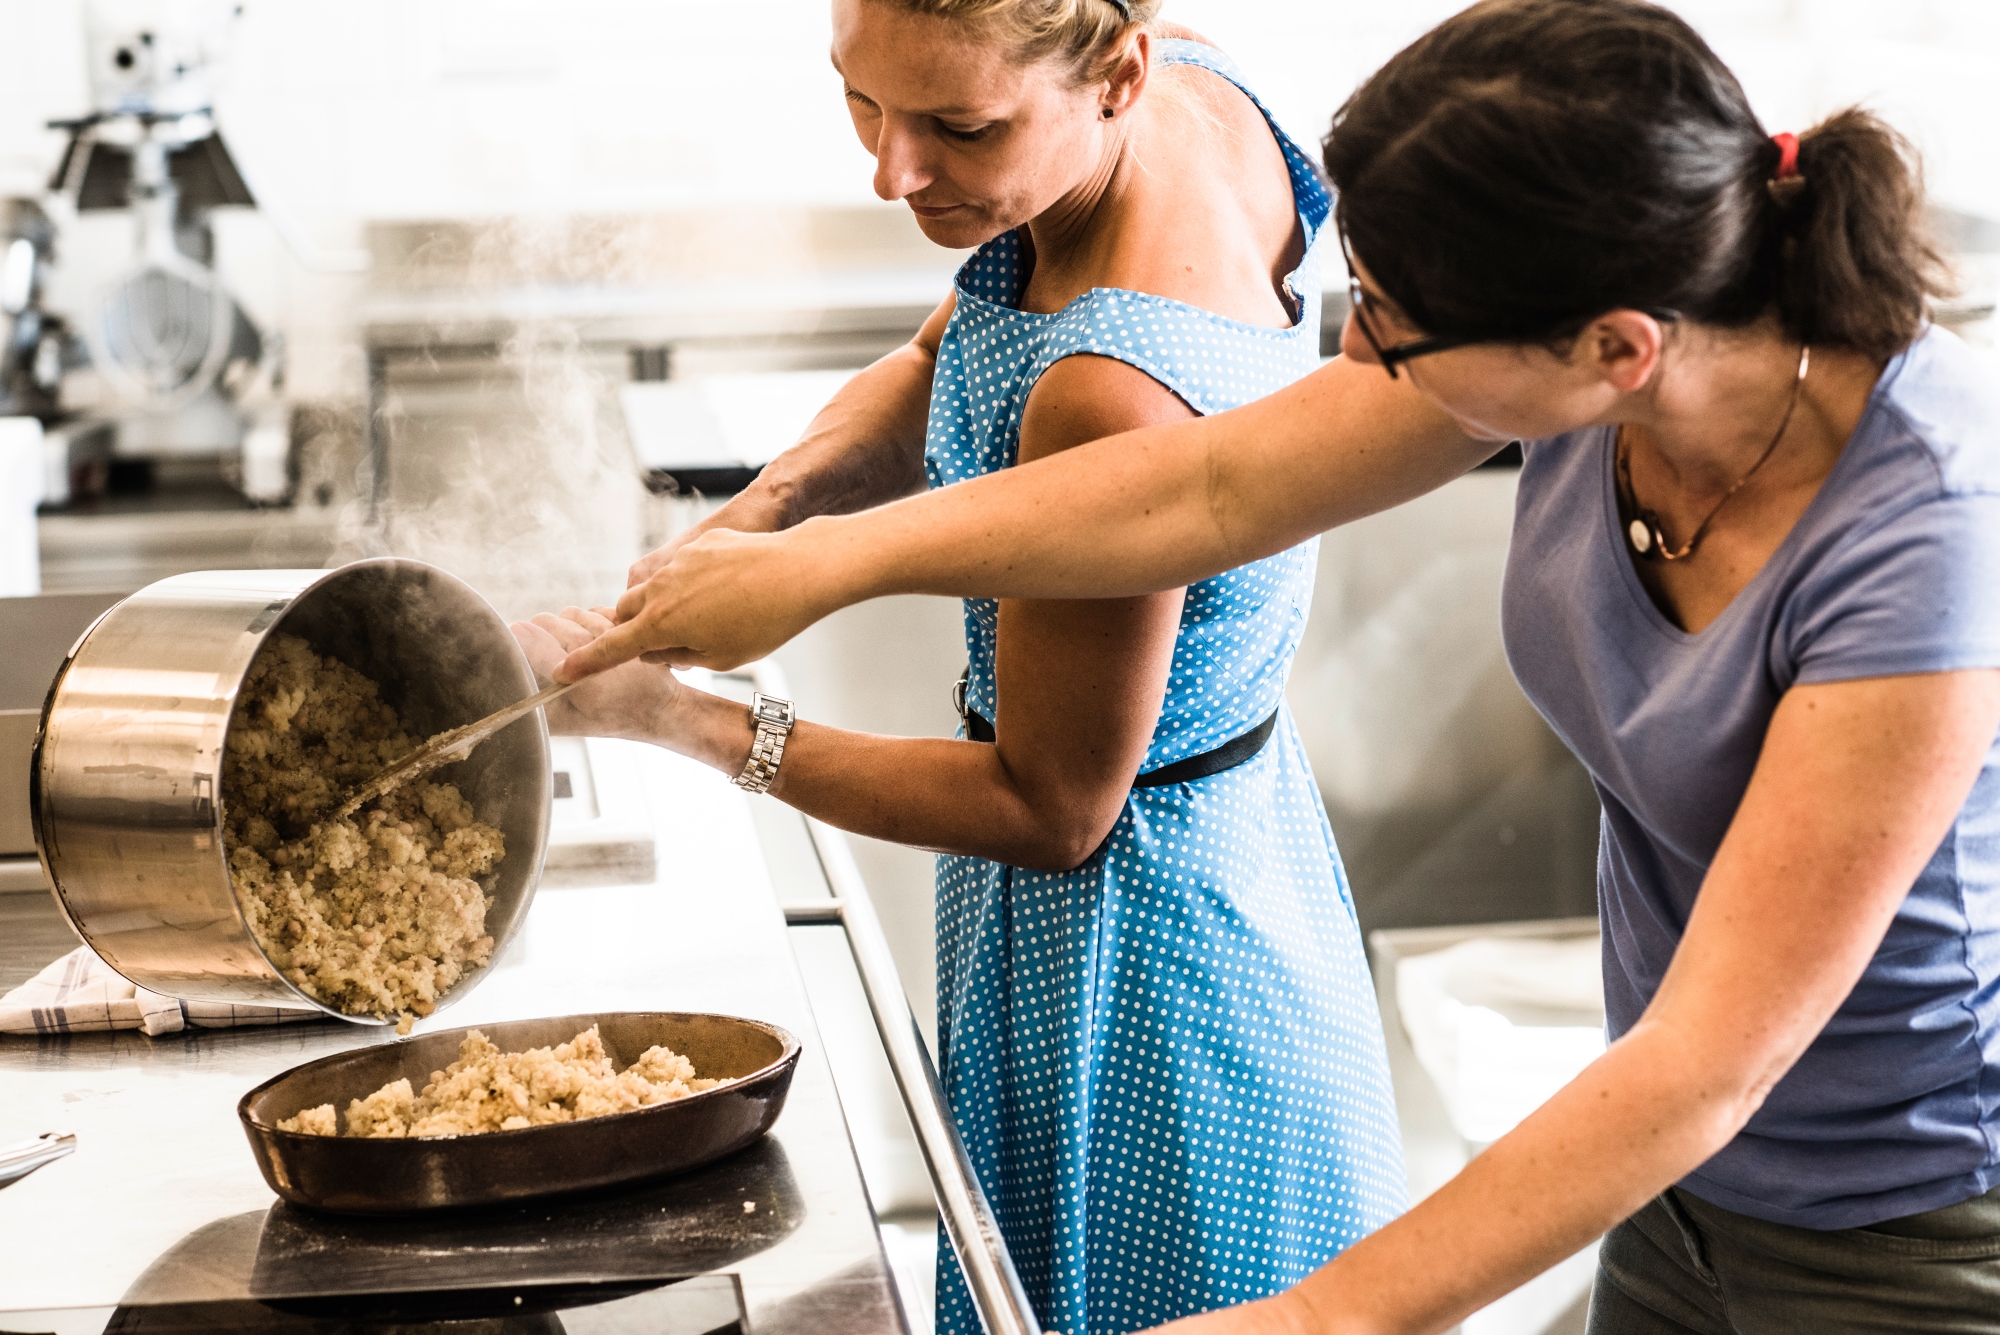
1530,164
1859,264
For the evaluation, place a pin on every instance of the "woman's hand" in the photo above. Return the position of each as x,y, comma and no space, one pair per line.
636,700
755,510
719,601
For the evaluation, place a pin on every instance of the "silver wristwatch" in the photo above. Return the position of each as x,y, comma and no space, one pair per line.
774,719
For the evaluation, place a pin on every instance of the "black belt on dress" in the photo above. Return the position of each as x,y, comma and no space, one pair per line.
1227,756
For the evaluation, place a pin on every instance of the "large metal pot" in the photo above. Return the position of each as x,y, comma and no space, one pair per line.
128,761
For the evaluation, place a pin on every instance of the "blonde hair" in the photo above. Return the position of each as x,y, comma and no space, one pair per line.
1082,34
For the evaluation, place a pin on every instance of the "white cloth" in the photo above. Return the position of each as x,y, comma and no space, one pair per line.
80,993
1502,1023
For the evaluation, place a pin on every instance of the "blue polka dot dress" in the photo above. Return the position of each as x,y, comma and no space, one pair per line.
1167,1064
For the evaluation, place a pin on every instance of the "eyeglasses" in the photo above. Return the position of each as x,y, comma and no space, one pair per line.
1390,357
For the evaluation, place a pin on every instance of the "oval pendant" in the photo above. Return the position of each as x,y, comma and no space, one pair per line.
1642,536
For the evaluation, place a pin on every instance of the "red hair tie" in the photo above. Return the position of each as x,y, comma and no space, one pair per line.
1788,160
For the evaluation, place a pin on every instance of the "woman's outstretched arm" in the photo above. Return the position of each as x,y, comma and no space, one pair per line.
1857,783
1137,513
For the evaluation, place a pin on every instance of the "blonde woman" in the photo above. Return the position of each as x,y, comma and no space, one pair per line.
1156,1027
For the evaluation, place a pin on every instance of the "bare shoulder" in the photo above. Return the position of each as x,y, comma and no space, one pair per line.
1215,221
1086,397
1198,92
1222,135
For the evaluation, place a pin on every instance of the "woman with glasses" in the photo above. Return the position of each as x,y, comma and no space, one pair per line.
1156,1027
1754,584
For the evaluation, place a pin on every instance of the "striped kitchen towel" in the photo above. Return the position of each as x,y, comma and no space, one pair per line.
80,993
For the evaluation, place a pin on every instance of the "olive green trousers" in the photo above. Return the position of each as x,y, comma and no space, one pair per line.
1684,1267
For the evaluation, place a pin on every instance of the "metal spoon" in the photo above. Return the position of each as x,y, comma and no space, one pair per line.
444,749
24,1157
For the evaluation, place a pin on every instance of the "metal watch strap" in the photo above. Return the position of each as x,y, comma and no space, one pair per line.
774,719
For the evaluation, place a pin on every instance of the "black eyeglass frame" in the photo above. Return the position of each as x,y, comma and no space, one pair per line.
1423,346
1357,303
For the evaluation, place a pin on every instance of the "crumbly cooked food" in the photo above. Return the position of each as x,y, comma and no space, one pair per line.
377,913
490,1090
319,1121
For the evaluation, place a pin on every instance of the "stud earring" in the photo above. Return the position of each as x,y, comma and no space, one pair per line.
1109,113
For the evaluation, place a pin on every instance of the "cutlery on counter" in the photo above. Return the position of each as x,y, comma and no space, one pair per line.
24,1157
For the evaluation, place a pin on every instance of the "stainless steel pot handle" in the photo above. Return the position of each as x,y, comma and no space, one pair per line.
24,1157
997,1294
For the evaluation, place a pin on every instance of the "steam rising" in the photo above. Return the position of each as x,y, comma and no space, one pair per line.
516,477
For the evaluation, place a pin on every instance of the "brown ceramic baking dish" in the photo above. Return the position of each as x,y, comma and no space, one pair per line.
367,1176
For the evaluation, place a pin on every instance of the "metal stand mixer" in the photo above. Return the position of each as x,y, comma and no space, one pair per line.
194,380
166,335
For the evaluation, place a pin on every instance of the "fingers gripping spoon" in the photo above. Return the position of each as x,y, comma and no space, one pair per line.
444,749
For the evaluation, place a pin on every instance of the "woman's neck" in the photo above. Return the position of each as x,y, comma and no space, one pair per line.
1072,240
1713,410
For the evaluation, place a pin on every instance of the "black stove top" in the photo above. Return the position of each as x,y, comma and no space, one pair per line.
642,1259
708,1305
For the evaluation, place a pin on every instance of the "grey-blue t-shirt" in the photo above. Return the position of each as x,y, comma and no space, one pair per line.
1894,568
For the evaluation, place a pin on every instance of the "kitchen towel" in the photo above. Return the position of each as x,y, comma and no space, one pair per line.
80,993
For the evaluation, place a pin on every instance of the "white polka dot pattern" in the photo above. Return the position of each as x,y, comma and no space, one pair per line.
1167,1064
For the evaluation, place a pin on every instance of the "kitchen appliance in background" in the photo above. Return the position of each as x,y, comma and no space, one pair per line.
35,345
514,364
191,380
714,434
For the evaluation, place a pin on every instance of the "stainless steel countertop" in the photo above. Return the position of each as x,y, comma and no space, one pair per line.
162,1171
